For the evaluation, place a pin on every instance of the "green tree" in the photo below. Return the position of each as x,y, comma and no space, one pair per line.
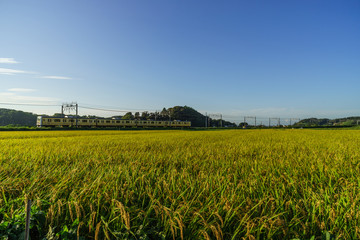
14,117
137,116
128,116
144,115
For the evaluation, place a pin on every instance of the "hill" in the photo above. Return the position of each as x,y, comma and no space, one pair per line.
313,122
14,117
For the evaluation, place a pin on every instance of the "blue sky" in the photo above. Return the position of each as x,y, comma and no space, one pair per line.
263,58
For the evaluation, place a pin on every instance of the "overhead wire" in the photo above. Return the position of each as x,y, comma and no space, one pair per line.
30,104
102,109
233,117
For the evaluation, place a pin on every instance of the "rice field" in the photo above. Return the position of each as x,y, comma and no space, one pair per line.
173,184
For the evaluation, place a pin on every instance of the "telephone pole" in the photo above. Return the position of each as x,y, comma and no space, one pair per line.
206,121
295,119
251,118
73,106
278,121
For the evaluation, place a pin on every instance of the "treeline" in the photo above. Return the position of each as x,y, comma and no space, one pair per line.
182,113
16,118
313,122
10,117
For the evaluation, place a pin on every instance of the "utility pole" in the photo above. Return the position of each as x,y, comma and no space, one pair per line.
206,121
217,117
77,113
278,121
71,107
295,119
249,117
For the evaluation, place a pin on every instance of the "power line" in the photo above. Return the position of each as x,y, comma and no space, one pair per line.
30,104
114,107
107,110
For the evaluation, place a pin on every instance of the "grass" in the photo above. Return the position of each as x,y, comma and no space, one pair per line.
234,184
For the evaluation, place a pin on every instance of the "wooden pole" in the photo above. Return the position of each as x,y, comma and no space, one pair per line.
27,226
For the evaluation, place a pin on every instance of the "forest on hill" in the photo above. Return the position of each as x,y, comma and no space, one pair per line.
313,122
182,113
16,118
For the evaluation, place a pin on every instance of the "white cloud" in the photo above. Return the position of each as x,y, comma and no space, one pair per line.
12,97
21,90
31,99
8,60
15,96
7,94
57,77
9,71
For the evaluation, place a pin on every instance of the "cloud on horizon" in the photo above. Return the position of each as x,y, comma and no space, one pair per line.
21,90
12,97
57,77
8,60
8,71
23,96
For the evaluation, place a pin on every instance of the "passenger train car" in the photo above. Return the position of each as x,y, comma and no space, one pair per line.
44,121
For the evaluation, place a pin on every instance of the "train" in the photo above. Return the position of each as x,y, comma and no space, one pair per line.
45,121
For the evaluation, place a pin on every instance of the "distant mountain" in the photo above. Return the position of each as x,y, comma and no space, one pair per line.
14,117
311,122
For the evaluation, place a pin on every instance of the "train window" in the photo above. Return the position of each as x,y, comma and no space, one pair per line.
49,120
113,121
71,120
102,121
84,121
127,121
159,122
56,120
117,121
108,121
64,120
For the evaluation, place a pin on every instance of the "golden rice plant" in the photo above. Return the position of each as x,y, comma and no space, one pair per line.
173,184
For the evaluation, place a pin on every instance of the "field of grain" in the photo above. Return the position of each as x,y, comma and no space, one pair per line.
229,184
